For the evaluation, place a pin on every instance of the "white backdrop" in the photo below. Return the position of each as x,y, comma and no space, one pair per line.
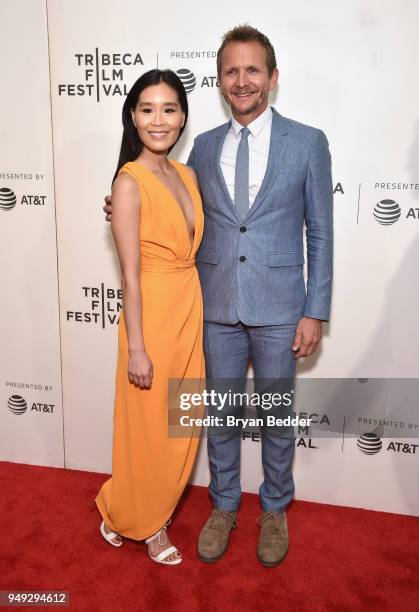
31,421
348,68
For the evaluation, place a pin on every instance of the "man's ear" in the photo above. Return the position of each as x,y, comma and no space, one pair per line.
274,79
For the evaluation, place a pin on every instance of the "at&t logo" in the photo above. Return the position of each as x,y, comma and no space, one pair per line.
8,199
369,443
387,212
189,80
17,404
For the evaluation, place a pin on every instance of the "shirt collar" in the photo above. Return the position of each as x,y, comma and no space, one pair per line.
257,125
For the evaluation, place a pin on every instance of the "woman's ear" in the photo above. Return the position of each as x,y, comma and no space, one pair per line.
133,118
183,120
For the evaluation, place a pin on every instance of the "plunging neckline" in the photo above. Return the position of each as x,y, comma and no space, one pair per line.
191,243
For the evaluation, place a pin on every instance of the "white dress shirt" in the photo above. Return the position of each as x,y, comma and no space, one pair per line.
259,140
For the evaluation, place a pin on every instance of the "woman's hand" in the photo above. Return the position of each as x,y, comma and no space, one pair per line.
140,369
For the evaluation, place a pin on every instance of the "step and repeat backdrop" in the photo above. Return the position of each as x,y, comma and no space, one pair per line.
348,68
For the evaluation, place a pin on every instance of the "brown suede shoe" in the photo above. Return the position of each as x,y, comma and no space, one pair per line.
273,538
213,539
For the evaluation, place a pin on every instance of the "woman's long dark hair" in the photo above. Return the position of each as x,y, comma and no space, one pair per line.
131,144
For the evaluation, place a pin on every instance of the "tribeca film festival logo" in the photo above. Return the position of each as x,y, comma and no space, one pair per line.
104,304
388,211
102,74
371,444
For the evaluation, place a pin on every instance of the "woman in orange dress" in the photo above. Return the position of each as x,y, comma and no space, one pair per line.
157,225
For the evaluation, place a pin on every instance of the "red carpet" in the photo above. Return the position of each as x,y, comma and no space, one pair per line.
340,559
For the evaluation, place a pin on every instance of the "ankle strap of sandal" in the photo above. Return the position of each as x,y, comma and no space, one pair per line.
158,534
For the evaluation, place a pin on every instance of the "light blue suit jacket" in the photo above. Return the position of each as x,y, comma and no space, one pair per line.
252,271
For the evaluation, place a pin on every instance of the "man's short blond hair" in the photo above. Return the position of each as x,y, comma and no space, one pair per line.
246,33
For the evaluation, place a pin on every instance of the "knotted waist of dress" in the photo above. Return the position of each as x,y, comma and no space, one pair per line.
157,264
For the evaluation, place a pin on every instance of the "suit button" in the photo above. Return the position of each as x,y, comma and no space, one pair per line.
242,229
242,258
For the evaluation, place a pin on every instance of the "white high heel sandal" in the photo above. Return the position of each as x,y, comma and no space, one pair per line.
160,558
108,536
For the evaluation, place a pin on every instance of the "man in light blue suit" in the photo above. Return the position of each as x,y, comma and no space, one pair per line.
262,177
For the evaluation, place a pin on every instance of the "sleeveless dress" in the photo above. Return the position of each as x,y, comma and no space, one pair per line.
150,468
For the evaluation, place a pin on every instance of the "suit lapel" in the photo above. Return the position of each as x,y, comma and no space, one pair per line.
277,148
216,167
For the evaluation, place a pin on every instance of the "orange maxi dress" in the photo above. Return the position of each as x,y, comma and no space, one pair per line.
150,468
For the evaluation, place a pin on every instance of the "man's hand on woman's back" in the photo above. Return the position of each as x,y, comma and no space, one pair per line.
107,209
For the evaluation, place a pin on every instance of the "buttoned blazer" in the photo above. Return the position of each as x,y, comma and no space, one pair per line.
252,270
